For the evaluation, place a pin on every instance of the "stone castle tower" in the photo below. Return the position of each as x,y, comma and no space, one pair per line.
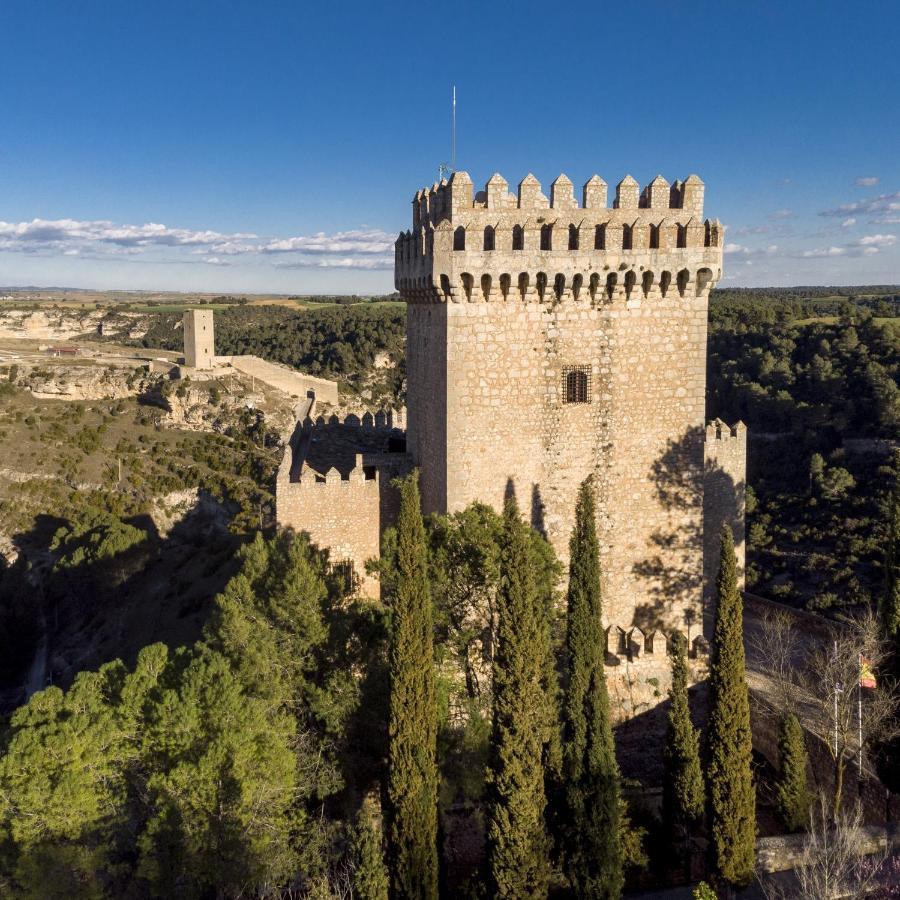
199,339
549,341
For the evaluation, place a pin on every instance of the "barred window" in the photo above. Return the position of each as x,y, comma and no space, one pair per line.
576,384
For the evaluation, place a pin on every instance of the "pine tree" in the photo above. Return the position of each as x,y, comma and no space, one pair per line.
732,805
518,844
889,608
683,779
412,766
790,789
593,844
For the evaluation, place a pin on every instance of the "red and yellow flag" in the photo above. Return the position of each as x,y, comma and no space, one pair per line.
866,675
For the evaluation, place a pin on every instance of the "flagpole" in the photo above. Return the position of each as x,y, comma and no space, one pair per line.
859,691
835,710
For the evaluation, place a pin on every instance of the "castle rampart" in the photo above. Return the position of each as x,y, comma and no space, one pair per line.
724,489
501,247
334,484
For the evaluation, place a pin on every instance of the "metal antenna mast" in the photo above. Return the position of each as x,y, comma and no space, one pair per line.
447,169
453,133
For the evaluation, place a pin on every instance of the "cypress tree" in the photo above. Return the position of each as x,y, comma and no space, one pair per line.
518,844
732,805
683,779
412,729
790,788
370,880
889,607
593,841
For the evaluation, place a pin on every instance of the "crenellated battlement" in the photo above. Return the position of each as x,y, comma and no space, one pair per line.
719,431
466,247
455,200
633,645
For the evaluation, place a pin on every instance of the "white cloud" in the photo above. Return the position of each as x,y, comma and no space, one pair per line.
744,230
781,214
824,252
848,223
742,250
877,240
881,205
347,262
868,245
362,241
866,181
367,248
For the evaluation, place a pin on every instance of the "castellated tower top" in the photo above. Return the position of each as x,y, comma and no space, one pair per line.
497,245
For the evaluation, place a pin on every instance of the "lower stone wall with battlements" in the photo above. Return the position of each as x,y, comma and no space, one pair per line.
724,500
340,515
335,484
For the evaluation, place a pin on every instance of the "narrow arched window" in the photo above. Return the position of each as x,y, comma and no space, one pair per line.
626,237
576,386
707,235
654,237
541,284
459,238
573,237
681,240
518,238
546,237
600,237
505,282
489,237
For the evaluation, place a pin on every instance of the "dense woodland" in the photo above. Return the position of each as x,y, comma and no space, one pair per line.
810,377
287,740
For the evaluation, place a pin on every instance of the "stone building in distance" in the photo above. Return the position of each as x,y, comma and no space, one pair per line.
548,341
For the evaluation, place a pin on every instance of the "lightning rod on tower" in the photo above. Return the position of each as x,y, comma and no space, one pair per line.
447,169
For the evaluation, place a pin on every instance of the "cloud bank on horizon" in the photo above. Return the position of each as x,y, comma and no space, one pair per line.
756,253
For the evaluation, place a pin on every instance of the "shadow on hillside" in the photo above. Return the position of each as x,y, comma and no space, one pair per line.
92,612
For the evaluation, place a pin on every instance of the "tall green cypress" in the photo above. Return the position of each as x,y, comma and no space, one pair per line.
593,842
732,804
518,844
412,764
889,607
683,779
791,795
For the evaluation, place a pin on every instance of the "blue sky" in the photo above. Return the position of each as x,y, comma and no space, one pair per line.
275,146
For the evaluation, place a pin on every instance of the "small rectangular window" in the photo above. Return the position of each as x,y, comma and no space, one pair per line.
576,384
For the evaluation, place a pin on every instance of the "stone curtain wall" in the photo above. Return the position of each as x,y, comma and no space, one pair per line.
289,381
341,516
199,340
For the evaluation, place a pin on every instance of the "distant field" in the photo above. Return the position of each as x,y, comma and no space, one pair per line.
172,307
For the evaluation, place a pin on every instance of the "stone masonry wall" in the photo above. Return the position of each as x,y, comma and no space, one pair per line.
199,340
504,424
724,490
507,294
342,516
289,381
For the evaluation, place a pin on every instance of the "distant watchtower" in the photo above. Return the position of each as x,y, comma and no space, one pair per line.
549,340
199,339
